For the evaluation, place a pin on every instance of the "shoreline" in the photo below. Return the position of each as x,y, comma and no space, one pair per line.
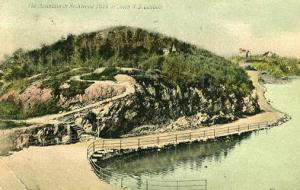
27,169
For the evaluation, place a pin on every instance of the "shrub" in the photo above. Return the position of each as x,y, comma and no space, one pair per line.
76,87
43,108
10,108
11,124
107,74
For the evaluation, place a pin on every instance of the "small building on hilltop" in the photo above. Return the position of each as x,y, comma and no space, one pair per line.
269,54
244,52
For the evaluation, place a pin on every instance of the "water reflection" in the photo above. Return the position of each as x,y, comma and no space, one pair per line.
135,168
268,160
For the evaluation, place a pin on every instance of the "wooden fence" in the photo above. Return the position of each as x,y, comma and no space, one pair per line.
172,138
103,146
200,184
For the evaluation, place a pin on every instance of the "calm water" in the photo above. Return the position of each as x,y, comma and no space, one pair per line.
268,159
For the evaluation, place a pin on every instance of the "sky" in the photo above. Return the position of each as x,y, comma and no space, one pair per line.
221,26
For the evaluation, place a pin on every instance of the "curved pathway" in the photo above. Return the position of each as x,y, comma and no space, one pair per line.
268,115
66,167
54,118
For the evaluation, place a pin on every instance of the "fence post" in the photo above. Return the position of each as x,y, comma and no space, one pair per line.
122,182
120,144
214,132
258,126
146,184
206,184
176,138
228,129
103,144
139,143
248,127
238,128
190,136
158,140
204,134
93,146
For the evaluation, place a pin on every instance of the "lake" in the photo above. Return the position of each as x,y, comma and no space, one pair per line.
268,159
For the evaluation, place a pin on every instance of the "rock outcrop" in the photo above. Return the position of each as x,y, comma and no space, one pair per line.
44,135
163,104
156,105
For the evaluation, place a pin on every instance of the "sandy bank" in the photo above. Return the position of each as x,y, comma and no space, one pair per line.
55,167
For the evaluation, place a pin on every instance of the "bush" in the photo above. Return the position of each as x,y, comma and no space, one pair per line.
76,87
275,66
43,108
11,108
184,64
107,74
11,124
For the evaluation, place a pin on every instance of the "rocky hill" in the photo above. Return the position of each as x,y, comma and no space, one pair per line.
121,81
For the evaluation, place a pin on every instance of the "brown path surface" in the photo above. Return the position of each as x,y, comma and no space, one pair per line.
260,90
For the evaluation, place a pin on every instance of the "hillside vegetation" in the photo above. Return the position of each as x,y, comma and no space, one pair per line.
273,65
52,65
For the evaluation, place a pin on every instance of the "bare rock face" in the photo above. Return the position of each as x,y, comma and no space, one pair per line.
44,135
95,92
155,105
157,102
34,94
89,122
23,141
248,106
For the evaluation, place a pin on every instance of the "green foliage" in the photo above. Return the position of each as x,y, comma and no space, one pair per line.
56,79
19,84
173,67
43,108
76,88
153,62
17,66
279,67
107,74
11,124
13,109
55,82
120,46
213,74
10,108
180,63
274,65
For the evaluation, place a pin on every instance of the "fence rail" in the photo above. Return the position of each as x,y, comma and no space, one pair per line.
176,184
174,138
157,141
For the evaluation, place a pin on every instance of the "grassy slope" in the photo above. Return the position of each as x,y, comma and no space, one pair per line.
180,62
10,125
275,65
